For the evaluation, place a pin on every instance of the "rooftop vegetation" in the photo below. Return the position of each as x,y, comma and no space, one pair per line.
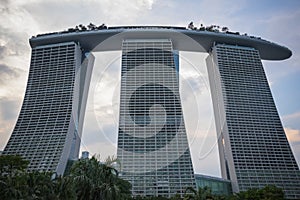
92,27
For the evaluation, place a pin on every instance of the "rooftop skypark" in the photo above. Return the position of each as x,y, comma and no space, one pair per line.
93,27
190,38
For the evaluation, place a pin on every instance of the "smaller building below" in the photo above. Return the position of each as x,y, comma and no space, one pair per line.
217,185
85,155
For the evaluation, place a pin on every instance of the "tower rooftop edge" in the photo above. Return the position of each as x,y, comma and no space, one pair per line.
109,39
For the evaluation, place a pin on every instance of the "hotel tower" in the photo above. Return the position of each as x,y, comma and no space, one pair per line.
152,142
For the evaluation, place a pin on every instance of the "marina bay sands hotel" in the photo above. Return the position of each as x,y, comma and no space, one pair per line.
152,142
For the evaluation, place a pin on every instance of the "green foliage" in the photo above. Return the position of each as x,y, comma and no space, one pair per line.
200,194
269,192
150,198
11,169
87,179
11,165
64,188
16,183
94,180
90,179
176,197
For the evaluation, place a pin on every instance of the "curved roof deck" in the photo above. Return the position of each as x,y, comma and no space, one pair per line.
183,39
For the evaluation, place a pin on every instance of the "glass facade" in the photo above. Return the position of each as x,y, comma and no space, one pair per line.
48,129
253,147
218,186
152,142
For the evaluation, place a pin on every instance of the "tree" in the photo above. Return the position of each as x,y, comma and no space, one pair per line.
36,185
251,194
11,165
64,187
200,194
88,179
16,183
95,180
269,192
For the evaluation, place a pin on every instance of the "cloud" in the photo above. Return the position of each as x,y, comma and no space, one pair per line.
4,5
47,13
8,117
293,135
292,120
8,73
5,131
283,28
8,109
295,115
15,28
3,51
10,80
12,43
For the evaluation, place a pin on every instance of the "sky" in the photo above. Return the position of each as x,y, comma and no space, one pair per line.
276,21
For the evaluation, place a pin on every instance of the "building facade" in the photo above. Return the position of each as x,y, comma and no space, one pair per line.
253,147
218,186
152,142
48,130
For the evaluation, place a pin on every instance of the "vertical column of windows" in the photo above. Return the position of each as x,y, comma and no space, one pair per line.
40,132
147,68
260,151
